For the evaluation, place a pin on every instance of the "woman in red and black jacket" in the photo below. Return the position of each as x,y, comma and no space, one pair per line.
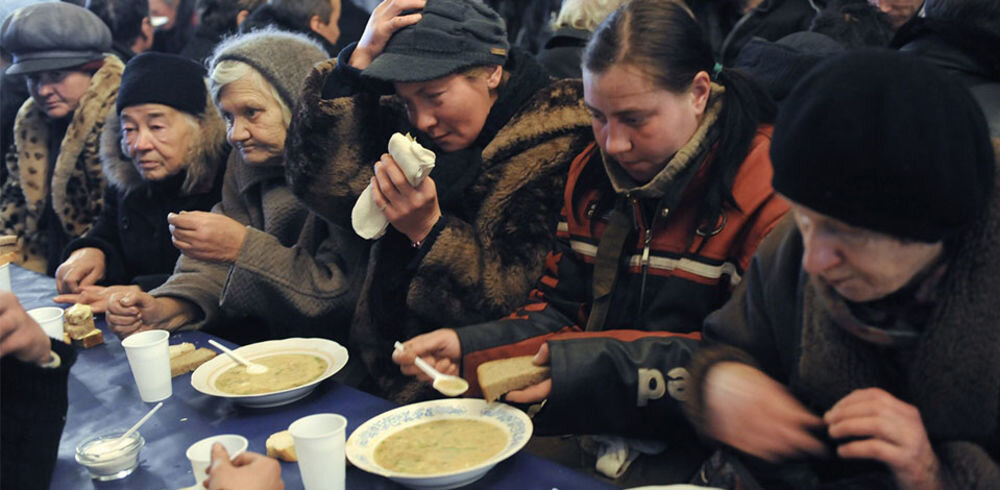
661,218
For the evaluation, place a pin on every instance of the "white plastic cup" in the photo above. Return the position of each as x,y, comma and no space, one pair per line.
319,445
50,318
200,453
5,277
149,358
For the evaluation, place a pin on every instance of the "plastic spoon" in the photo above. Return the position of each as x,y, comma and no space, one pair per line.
252,367
447,384
106,450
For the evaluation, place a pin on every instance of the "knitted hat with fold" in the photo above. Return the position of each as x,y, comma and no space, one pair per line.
283,58
884,141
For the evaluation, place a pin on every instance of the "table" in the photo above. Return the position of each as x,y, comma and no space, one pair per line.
102,395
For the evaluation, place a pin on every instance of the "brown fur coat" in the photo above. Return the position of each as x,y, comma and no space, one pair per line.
475,270
75,186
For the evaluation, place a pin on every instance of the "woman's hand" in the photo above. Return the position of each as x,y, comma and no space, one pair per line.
211,237
890,431
84,267
136,311
95,296
439,348
383,23
749,411
536,392
247,471
411,210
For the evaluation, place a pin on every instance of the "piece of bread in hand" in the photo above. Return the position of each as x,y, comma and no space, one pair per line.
502,375
182,348
281,445
189,361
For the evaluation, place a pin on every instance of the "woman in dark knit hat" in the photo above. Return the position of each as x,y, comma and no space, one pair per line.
260,263
467,244
862,352
163,152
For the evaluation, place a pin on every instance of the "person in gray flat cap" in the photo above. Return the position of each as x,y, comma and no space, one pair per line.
468,243
53,192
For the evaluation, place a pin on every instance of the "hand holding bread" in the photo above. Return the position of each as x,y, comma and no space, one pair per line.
524,379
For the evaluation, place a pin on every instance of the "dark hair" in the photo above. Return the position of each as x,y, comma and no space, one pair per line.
662,38
123,17
300,12
218,16
853,24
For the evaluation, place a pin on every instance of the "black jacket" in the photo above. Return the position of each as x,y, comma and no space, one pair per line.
132,228
728,29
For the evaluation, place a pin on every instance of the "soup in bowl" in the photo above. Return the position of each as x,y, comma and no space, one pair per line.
439,444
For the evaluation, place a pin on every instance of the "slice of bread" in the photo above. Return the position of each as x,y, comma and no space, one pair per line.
78,321
503,375
281,445
182,348
90,339
189,361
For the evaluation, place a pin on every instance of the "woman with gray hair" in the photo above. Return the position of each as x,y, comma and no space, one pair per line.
260,253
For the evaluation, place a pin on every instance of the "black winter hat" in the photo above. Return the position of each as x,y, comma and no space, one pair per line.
452,35
158,78
884,141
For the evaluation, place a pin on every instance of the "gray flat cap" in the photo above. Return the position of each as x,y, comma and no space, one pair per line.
53,36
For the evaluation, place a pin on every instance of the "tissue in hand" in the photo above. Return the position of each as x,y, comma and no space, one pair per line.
415,161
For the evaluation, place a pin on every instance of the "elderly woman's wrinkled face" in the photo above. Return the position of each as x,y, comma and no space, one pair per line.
157,138
451,110
58,92
254,121
860,264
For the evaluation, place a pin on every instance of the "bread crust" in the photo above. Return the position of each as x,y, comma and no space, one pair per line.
500,376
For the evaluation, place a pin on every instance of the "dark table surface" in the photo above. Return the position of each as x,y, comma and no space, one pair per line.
103,395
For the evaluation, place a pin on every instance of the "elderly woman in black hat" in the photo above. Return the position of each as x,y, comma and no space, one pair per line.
260,254
53,192
163,152
862,351
467,243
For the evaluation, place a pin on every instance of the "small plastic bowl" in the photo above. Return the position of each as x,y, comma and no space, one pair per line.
119,464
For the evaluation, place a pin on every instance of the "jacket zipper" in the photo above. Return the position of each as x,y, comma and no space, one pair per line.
646,240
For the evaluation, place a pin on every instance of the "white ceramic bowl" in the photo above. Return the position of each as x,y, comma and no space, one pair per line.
360,448
203,378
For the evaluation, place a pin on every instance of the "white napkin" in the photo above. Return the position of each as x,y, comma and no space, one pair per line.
415,161
615,454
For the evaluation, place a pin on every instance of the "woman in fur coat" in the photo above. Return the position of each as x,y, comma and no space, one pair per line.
54,187
163,152
467,243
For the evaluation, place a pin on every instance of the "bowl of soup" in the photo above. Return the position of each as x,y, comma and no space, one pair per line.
438,444
294,368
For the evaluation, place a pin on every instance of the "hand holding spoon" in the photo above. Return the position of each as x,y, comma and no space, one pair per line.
447,384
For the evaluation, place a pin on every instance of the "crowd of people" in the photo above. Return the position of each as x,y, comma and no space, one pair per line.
762,227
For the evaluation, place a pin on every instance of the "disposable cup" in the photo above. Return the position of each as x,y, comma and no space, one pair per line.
149,358
5,277
319,446
50,318
200,453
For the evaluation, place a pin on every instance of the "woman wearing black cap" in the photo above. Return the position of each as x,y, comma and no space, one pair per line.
863,352
53,192
163,152
467,243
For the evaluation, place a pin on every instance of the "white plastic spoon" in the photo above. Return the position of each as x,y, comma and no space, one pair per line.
447,384
252,367
109,449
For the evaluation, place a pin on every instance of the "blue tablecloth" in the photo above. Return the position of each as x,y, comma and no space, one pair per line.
103,395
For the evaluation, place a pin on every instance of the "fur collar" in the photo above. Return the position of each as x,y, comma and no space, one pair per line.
690,154
955,379
204,159
31,135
